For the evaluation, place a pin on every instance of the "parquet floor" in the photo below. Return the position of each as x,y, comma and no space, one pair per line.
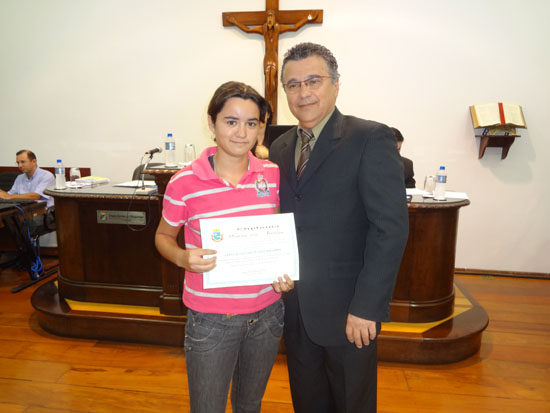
42,373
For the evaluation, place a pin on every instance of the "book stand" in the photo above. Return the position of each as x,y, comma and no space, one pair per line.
491,140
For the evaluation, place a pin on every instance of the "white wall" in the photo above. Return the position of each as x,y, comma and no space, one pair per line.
98,82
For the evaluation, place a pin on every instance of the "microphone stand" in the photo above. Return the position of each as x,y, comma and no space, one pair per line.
143,174
143,190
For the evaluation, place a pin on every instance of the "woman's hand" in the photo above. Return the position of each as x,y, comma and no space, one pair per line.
193,260
283,285
166,241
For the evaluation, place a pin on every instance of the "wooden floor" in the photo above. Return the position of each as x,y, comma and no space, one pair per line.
43,373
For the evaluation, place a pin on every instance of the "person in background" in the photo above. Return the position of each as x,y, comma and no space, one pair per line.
342,177
32,182
260,150
408,171
232,334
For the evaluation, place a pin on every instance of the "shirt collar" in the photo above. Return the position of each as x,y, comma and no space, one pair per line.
35,174
317,129
202,169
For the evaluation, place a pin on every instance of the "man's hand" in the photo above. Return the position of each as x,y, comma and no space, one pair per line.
283,286
360,331
4,194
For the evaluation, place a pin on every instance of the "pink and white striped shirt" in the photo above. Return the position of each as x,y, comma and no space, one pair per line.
195,193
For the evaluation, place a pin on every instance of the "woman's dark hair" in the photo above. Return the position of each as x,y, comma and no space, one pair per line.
235,90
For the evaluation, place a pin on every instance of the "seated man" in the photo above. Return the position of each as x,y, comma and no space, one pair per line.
32,182
30,185
407,163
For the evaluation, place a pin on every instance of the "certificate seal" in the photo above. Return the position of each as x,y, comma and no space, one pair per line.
217,235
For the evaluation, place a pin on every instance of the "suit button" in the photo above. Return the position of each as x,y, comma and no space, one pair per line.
299,229
298,197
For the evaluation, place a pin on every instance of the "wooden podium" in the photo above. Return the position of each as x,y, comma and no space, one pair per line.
424,290
118,285
427,325
114,285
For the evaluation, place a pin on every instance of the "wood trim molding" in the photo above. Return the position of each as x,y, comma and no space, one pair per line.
500,273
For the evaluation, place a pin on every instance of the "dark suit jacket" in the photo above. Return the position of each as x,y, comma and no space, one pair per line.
351,221
409,173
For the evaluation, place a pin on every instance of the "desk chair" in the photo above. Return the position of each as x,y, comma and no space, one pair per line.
26,234
137,172
7,179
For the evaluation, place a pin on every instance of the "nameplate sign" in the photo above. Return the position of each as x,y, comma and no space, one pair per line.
121,217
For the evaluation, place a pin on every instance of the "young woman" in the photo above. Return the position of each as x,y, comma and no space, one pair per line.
232,334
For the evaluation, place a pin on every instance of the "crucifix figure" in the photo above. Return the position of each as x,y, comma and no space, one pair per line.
270,23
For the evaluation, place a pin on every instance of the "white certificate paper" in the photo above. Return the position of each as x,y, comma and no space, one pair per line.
251,250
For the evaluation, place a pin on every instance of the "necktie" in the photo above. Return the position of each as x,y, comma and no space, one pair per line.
307,136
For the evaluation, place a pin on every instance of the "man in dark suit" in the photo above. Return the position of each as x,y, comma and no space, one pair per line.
344,183
408,170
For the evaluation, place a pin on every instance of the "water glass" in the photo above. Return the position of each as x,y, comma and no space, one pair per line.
429,184
189,153
74,174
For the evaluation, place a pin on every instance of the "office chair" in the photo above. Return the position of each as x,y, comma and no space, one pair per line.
137,172
28,245
7,178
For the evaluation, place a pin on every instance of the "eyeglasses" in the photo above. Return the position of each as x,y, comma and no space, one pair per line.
312,83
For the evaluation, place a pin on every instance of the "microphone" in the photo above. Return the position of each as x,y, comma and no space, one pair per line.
153,151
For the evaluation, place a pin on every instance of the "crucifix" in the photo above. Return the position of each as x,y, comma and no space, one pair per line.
270,23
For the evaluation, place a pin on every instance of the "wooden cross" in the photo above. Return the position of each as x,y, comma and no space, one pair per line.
270,23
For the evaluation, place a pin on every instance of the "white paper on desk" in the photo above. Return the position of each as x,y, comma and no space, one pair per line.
448,194
457,195
251,250
137,183
414,191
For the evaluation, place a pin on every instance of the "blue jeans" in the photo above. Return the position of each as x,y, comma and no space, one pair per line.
221,348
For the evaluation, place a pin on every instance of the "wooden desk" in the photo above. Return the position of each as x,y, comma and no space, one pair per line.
105,261
162,176
114,265
107,255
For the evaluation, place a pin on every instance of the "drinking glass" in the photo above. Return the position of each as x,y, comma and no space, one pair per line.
74,174
189,153
429,184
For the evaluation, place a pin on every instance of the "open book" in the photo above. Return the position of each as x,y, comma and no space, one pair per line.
495,114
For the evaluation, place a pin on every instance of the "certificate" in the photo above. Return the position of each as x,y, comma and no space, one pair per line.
251,250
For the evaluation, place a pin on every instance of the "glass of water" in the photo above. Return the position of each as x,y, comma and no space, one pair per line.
429,184
189,153
75,174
